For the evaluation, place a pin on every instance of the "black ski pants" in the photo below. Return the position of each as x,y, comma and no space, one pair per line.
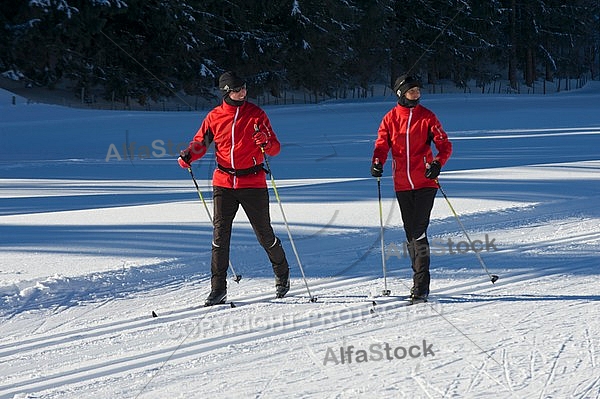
415,208
255,202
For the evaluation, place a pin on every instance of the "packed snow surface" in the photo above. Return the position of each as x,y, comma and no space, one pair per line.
100,228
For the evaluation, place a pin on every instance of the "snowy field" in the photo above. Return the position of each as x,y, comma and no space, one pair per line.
100,227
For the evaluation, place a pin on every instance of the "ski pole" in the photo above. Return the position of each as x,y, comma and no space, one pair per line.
236,277
312,298
385,291
493,277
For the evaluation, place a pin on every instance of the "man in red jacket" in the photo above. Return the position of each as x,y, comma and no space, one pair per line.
241,131
408,131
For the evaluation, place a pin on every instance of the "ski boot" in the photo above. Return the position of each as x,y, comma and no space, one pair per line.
216,297
282,285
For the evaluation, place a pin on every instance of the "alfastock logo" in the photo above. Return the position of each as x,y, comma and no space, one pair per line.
441,247
157,149
376,352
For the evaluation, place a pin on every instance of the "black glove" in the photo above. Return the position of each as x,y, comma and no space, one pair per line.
433,171
376,169
185,158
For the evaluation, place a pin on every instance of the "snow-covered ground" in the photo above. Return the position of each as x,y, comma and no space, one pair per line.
100,227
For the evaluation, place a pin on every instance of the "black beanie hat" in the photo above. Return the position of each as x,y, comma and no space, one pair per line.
229,81
404,83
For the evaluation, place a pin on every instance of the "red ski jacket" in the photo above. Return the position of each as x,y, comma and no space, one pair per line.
408,133
231,128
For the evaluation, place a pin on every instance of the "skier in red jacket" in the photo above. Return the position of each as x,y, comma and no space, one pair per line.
241,131
408,131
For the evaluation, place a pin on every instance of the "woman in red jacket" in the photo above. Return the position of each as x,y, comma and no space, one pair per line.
241,131
408,131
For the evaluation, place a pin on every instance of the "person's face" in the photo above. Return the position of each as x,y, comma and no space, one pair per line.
413,94
239,93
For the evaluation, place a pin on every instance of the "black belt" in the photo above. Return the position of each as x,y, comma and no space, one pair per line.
243,172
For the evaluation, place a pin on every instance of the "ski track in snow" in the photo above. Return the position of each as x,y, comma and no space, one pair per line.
86,330
327,306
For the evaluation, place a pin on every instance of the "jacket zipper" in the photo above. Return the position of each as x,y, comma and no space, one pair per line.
237,111
408,150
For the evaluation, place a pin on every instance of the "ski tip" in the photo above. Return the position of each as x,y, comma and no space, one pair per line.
154,314
494,278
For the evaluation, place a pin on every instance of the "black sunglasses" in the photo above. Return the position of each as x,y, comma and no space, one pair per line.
238,89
